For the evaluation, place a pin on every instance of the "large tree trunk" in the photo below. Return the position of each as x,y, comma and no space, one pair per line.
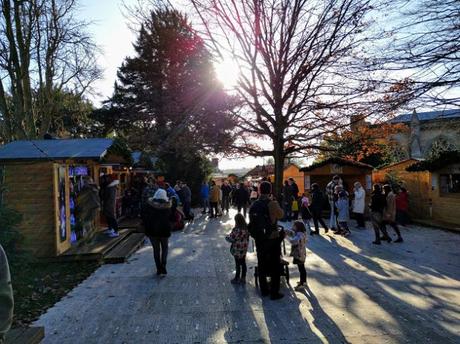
278,156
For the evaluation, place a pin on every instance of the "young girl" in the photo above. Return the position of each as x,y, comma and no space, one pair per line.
343,216
298,238
305,211
239,237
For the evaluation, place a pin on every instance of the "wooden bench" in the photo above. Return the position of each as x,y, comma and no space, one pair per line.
26,335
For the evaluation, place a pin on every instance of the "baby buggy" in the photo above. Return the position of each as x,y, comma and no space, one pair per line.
284,264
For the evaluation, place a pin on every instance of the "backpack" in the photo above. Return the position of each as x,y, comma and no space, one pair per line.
260,226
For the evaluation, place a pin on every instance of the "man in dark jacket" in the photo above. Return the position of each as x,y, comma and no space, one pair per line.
226,190
316,208
157,223
377,206
264,214
242,198
287,201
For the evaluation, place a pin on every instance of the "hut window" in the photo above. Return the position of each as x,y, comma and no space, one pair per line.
449,183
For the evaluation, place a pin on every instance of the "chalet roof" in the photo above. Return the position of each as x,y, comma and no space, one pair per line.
265,170
428,116
338,161
56,149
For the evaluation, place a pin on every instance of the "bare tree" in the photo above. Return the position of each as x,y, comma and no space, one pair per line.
44,50
425,46
304,70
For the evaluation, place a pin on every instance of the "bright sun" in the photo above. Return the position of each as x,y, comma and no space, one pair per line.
227,72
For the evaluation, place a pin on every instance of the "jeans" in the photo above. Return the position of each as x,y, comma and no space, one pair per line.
377,224
160,251
316,213
393,225
205,202
303,272
187,207
225,203
214,211
268,261
360,220
242,206
112,223
241,269
333,217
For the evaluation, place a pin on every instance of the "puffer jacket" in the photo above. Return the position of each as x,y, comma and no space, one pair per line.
157,219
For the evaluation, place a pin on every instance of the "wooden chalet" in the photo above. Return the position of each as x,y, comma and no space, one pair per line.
41,180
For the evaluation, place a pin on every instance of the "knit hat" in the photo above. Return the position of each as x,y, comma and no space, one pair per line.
160,194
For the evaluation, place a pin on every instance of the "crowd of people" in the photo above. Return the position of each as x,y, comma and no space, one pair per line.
258,215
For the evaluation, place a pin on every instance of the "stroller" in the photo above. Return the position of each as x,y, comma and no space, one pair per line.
284,264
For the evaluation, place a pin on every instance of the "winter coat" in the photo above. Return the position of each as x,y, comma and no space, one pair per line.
187,193
298,241
110,198
342,210
317,200
359,201
287,194
241,196
226,189
239,237
294,190
402,201
389,213
204,192
378,202
88,203
6,295
215,194
157,219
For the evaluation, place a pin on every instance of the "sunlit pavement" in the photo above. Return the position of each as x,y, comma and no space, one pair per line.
357,293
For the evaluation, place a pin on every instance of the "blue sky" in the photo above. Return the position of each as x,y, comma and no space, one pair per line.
111,33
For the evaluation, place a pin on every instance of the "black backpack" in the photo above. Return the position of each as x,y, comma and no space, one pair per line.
260,226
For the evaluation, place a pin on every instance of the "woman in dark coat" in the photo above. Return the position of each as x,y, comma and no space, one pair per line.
157,223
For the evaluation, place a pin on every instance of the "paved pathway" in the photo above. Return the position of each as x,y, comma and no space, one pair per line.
357,293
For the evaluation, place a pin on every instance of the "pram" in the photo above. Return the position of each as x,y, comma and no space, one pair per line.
284,264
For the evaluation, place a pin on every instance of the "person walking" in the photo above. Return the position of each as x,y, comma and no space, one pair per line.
109,205
157,223
359,204
402,207
378,203
187,201
316,207
204,193
389,214
214,199
239,238
294,187
330,192
242,199
6,296
263,217
226,190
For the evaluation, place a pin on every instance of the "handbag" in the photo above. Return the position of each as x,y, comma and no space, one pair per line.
295,206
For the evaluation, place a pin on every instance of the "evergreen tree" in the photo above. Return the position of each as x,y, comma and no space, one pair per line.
167,97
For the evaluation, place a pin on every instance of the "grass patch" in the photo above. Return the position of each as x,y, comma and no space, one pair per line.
38,285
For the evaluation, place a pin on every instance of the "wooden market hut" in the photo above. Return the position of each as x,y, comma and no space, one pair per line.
434,188
291,170
350,172
41,180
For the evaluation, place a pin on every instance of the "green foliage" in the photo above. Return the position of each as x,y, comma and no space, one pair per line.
9,235
439,146
442,160
168,96
187,166
120,148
